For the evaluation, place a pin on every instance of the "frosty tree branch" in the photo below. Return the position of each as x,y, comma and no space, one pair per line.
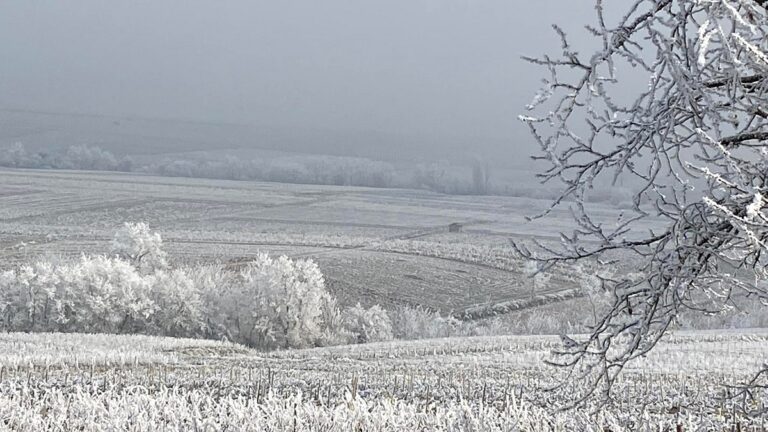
691,141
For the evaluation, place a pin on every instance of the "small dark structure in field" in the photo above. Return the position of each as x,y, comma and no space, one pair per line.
454,227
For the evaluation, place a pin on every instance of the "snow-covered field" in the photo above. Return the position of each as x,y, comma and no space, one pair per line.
376,246
373,245
104,382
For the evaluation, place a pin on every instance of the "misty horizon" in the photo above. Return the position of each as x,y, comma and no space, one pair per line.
428,75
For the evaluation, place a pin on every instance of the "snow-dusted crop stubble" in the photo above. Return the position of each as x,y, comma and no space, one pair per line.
90,383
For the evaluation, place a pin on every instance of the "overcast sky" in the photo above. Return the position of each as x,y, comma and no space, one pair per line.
422,67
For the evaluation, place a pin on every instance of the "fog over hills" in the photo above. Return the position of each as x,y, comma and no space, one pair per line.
135,135
385,80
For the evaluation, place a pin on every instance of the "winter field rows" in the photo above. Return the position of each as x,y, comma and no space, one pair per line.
382,246
375,246
101,382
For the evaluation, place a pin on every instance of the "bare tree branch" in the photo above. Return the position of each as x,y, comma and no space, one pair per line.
690,142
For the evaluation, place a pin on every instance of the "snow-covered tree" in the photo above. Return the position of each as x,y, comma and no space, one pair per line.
136,243
692,137
93,294
216,286
276,303
101,294
270,303
178,307
25,297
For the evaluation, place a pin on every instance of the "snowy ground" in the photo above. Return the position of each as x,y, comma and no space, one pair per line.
380,246
374,245
99,382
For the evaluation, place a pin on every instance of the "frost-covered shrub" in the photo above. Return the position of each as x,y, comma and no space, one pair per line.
141,247
214,284
94,294
333,331
101,294
178,304
270,303
368,325
275,303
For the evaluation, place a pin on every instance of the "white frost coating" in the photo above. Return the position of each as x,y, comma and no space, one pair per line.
755,207
753,50
705,35
136,243
712,114
527,119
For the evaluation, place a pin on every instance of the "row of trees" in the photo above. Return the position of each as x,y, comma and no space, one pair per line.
74,157
270,303
439,177
327,170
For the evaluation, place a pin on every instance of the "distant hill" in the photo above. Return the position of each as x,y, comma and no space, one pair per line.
41,130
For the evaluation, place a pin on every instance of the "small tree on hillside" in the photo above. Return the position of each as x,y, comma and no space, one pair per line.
137,244
693,135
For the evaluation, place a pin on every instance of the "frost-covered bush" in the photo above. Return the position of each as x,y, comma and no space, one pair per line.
179,309
104,295
411,323
213,283
275,303
94,294
130,292
137,244
368,325
333,330
270,303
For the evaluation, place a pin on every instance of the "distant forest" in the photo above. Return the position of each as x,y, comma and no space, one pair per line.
474,178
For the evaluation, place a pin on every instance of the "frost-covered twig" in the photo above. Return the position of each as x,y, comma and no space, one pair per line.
692,143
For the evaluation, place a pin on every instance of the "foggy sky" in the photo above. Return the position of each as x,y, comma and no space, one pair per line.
422,67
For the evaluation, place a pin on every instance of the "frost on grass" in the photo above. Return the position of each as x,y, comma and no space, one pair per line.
484,384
